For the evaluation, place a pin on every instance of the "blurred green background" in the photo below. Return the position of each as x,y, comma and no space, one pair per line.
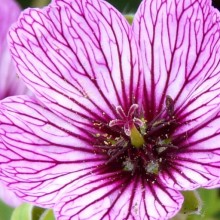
210,198
122,5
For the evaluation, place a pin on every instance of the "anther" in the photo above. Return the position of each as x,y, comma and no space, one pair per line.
169,106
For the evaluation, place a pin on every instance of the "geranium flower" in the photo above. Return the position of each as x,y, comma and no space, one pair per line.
125,118
9,83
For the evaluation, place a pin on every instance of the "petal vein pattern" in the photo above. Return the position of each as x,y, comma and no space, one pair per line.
179,41
9,83
62,170
39,167
197,161
180,47
76,60
123,199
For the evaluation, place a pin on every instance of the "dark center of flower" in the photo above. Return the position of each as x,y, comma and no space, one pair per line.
136,145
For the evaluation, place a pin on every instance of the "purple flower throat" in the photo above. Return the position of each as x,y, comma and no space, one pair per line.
136,144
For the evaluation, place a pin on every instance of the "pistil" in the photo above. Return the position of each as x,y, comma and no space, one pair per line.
137,139
128,122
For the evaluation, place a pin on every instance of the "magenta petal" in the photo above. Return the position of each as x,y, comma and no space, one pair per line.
198,160
8,196
43,154
180,45
113,197
49,162
9,83
80,58
213,184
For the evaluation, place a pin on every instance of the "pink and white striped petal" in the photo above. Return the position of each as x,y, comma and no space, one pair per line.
6,195
113,197
213,184
80,58
180,44
42,154
9,83
197,161
62,170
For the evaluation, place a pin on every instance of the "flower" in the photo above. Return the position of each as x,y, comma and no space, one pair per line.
9,85
125,117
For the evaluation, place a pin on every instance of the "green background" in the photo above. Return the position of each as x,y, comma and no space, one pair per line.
127,5
122,5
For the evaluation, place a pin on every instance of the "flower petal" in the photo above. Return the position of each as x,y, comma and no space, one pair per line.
197,160
9,83
7,195
213,184
62,170
180,45
42,154
79,58
112,197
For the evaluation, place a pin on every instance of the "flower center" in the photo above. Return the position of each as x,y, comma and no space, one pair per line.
135,145
128,122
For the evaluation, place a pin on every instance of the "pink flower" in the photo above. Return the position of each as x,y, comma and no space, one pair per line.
125,117
9,83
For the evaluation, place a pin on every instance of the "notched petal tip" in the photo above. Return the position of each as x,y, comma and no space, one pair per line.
183,60
74,63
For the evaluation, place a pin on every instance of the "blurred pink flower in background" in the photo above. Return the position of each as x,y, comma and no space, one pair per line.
9,82
125,117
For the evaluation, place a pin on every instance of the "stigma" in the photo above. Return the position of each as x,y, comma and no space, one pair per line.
129,123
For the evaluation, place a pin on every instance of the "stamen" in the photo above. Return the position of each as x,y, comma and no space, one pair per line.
165,147
152,167
163,125
104,147
169,106
116,155
128,165
155,120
